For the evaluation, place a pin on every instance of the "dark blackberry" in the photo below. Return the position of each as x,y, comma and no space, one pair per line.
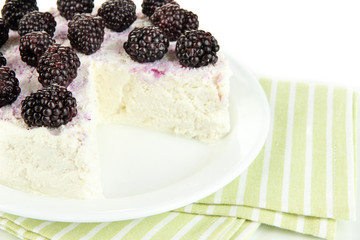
58,65
2,60
86,33
51,107
4,32
174,21
197,49
118,14
36,22
33,46
149,6
68,8
146,44
14,10
9,86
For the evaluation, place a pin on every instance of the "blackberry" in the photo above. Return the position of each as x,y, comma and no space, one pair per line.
14,10
197,49
50,107
146,44
4,32
9,86
149,6
118,14
68,8
174,21
2,60
37,21
58,65
86,33
33,46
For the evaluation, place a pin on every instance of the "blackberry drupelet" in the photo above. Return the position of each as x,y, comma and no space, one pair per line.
50,107
9,86
2,60
14,10
197,49
33,46
68,8
149,6
58,65
37,21
146,44
118,14
4,32
86,33
174,21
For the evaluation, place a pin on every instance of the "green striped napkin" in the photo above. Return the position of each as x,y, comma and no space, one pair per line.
303,179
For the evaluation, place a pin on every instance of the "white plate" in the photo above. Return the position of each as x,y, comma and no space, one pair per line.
146,173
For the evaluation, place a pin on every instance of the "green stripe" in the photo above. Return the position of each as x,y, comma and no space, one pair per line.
52,229
341,207
296,188
254,172
230,232
276,168
229,194
145,226
79,231
221,228
31,223
318,181
111,230
243,228
312,226
174,226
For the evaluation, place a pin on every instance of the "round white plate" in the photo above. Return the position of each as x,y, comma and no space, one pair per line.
146,172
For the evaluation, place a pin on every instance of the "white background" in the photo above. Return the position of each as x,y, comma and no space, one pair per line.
302,40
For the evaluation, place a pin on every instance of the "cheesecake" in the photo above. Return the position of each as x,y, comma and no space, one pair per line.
110,88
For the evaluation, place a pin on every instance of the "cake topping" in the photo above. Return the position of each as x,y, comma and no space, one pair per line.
2,60
149,6
174,20
33,46
58,65
68,8
37,21
86,33
9,86
14,10
118,14
50,107
146,44
197,49
4,32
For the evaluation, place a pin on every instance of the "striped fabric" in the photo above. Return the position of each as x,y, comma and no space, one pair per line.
302,180
170,225
304,177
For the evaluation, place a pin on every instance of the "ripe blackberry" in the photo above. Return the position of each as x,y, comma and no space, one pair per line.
37,21
118,14
50,107
86,33
58,65
149,6
146,44
2,60
14,10
174,21
4,32
197,49
33,46
9,86
68,8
